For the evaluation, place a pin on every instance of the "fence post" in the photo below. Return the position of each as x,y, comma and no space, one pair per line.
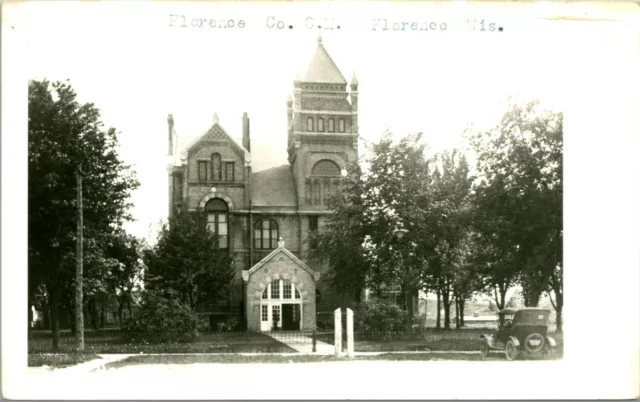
350,333
337,316
313,337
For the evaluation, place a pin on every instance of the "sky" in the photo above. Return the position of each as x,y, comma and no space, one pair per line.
137,69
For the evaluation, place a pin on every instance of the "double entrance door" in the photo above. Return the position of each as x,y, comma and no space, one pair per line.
280,316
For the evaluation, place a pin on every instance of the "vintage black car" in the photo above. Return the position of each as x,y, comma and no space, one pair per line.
521,332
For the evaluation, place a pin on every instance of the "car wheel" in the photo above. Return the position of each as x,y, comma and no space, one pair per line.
510,351
546,352
484,351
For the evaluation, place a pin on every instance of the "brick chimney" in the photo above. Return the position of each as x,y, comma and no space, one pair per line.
170,122
246,140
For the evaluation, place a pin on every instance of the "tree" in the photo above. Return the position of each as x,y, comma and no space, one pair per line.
185,262
127,270
63,136
340,240
519,201
395,196
447,218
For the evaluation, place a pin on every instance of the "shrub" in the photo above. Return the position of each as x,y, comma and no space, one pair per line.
161,320
378,316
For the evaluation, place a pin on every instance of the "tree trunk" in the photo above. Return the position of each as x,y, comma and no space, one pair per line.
46,314
102,315
457,313
129,308
447,309
439,306
55,319
462,301
559,304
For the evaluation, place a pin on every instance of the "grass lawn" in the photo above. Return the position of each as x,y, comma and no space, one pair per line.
59,359
456,340
205,343
279,359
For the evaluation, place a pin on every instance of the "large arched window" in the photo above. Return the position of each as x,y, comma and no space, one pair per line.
325,177
280,289
216,167
310,124
265,234
326,167
320,124
218,221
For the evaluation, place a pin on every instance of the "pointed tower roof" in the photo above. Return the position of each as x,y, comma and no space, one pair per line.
354,79
322,68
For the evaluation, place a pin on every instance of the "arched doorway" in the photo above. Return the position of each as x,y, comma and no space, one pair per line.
280,307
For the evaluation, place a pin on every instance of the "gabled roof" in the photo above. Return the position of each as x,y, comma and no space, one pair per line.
282,250
225,133
273,187
322,68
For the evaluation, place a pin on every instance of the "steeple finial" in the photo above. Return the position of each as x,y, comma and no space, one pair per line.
320,39
215,118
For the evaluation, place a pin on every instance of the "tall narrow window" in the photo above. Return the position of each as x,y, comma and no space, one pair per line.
229,171
286,289
310,124
216,167
275,289
202,170
265,233
332,127
341,125
316,192
320,124
313,223
265,312
218,222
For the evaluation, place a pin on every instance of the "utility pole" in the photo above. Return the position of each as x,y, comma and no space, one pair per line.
79,304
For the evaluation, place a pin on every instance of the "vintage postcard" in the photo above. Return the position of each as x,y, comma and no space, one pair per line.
320,200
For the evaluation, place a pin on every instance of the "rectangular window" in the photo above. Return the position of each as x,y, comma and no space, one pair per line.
211,223
316,192
229,171
275,289
202,170
286,290
222,231
307,193
265,313
313,223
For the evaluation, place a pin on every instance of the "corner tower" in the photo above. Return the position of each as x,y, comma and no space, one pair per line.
322,129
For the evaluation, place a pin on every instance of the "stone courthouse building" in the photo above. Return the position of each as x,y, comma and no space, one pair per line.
263,218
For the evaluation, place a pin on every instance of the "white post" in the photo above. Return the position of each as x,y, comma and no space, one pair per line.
350,333
337,315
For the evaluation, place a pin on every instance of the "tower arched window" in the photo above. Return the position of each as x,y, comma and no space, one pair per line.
341,125
320,124
325,176
216,167
332,127
310,124
218,222
265,234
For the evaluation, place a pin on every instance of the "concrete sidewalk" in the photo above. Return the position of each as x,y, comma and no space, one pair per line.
303,344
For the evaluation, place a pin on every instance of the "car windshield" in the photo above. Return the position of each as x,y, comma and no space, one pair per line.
508,319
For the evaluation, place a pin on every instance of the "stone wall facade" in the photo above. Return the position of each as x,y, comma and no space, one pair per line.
280,266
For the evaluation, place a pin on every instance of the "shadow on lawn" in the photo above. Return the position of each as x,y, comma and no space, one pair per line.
110,342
